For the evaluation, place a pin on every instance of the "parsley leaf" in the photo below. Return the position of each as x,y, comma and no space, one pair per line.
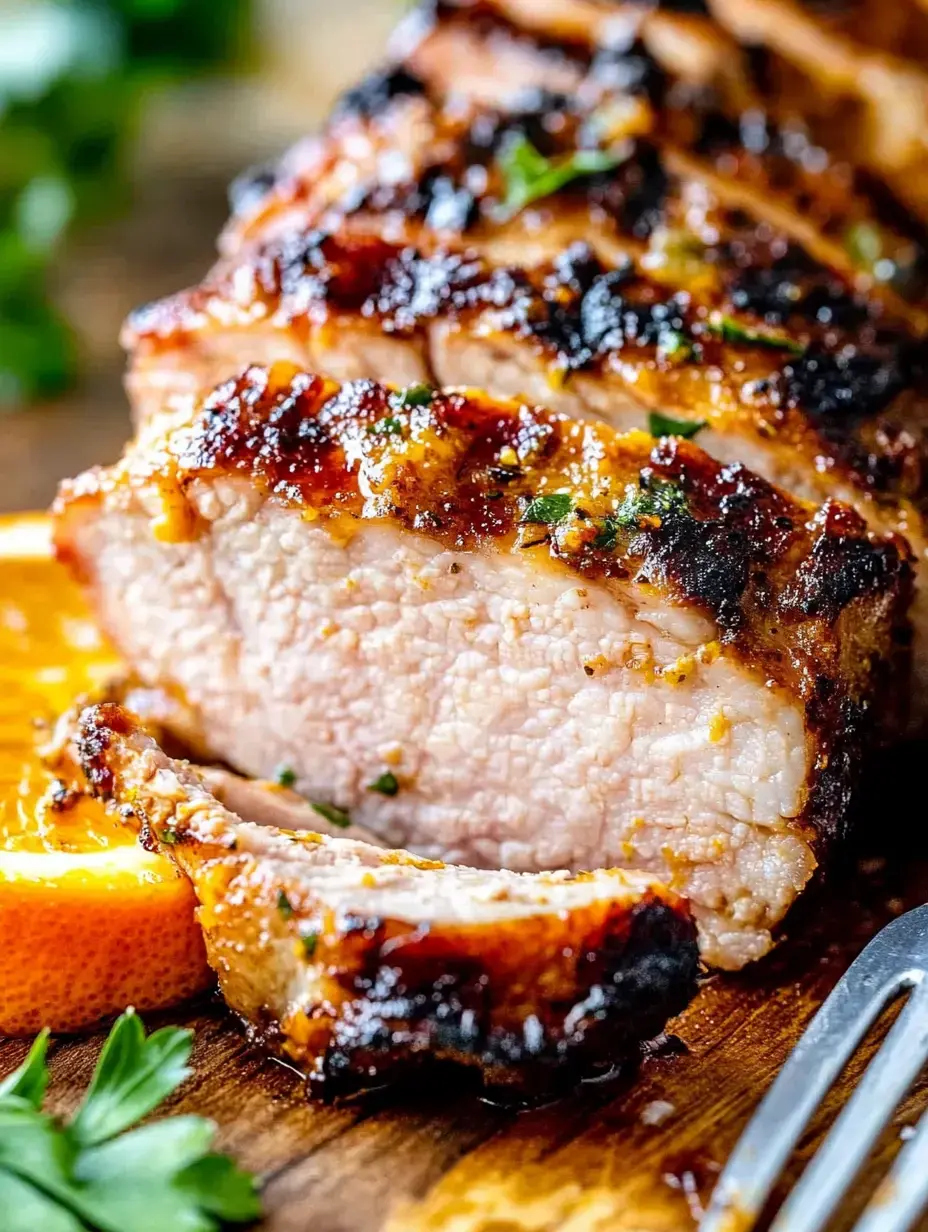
30,1081
336,816
284,906
412,395
665,425
732,331
98,1175
133,1076
387,784
528,175
549,510
285,776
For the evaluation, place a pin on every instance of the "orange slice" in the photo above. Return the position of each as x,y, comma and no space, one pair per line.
89,921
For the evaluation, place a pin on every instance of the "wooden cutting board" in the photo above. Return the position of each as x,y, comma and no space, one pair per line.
437,1157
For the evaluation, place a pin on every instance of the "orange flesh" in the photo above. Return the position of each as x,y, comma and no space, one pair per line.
90,922
50,653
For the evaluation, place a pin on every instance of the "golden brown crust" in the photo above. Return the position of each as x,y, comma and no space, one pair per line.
719,134
843,400
812,601
356,999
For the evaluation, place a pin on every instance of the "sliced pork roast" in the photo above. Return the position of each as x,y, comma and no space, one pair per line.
503,637
851,74
355,963
576,254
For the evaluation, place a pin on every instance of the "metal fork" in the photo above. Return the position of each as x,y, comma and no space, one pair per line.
895,963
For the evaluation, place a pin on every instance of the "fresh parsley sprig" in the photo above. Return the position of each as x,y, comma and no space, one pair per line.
528,176
95,1173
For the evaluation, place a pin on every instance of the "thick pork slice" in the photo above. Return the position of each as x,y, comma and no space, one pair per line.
832,410
357,963
503,637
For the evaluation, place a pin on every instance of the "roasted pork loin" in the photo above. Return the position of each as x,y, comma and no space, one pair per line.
645,293
356,963
563,646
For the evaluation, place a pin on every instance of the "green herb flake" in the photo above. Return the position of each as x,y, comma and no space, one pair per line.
284,906
285,776
413,395
310,941
659,498
335,816
732,331
169,836
549,510
101,1170
386,783
391,426
675,347
528,176
664,425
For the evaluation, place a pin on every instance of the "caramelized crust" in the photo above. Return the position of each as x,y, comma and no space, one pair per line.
358,964
853,72
809,600
750,355
745,188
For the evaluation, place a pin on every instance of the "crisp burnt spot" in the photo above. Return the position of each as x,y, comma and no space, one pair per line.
639,969
636,193
792,286
375,93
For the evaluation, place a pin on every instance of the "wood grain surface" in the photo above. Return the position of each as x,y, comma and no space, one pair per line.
437,1156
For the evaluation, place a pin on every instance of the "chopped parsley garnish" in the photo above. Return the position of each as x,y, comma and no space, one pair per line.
730,330
95,1172
390,426
284,906
659,499
528,176
169,836
336,816
664,425
285,776
310,941
675,346
549,510
386,783
412,395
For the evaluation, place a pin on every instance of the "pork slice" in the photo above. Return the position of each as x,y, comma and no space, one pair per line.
563,647
401,144
823,411
857,77
356,963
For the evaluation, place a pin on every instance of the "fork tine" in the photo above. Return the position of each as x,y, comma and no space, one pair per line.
858,999
889,1075
904,1194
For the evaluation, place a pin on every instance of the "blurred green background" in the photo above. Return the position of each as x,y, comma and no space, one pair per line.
94,92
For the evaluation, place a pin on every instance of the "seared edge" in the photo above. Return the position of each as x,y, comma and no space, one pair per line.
563,973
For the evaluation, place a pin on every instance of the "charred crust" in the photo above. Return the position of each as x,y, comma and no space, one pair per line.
837,392
97,725
422,1001
376,92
